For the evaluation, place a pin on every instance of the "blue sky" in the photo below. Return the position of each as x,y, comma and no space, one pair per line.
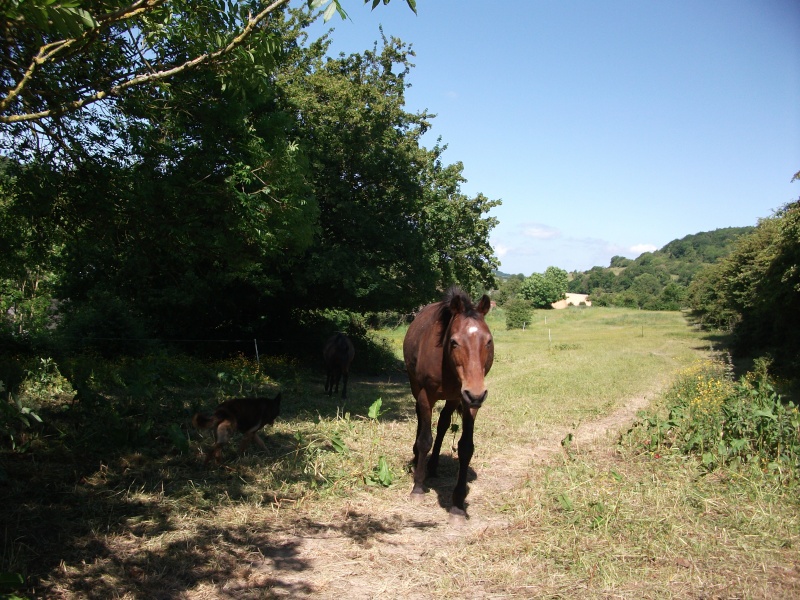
605,127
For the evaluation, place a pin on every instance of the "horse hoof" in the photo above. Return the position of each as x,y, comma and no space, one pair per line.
417,496
457,517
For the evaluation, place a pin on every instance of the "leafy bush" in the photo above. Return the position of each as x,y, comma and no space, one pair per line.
374,354
106,325
518,313
15,420
41,384
542,290
728,423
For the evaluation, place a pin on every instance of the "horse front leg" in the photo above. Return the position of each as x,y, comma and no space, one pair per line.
445,417
466,447
423,443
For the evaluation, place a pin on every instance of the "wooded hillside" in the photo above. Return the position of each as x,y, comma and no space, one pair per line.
656,280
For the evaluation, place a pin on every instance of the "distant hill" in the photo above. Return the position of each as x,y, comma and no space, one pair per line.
502,276
656,280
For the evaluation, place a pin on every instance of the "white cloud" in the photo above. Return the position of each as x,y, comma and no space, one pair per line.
538,231
500,250
642,248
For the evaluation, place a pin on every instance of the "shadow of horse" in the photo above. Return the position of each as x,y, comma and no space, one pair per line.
442,483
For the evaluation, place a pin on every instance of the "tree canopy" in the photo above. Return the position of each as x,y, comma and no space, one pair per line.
62,57
755,290
236,192
542,290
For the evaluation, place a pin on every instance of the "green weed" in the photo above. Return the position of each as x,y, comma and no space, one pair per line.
727,423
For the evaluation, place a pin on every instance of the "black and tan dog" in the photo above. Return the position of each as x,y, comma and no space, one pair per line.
246,415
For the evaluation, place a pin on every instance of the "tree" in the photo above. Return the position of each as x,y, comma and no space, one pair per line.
509,288
542,290
456,232
218,207
672,297
644,290
48,44
619,261
394,227
29,245
65,68
757,290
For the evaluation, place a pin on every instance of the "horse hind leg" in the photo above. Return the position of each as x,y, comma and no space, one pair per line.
445,417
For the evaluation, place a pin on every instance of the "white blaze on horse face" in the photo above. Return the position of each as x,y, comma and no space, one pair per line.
473,330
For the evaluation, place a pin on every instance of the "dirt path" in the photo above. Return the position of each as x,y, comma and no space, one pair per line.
363,553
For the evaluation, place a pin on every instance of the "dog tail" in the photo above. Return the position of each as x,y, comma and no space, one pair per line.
204,421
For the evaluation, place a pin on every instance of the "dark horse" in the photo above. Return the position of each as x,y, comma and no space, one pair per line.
338,354
448,350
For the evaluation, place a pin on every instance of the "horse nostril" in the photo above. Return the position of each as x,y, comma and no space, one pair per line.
473,400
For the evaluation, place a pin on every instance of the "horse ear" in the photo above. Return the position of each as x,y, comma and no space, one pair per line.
484,305
456,304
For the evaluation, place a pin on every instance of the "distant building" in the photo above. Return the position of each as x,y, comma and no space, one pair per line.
572,300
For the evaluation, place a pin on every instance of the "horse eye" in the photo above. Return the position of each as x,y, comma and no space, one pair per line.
453,344
489,343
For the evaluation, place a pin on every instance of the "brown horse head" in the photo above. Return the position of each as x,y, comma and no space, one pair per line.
468,347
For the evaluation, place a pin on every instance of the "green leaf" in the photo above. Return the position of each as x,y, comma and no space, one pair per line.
565,502
340,10
384,474
178,438
767,414
329,12
338,443
11,580
738,444
87,19
375,409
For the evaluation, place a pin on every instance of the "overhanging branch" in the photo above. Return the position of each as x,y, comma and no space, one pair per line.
53,51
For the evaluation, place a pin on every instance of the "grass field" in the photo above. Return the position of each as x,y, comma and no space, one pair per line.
562,504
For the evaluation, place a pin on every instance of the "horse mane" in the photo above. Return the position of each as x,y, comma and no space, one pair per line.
444,314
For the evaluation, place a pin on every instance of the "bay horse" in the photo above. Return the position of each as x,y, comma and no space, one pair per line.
338,354
448,350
